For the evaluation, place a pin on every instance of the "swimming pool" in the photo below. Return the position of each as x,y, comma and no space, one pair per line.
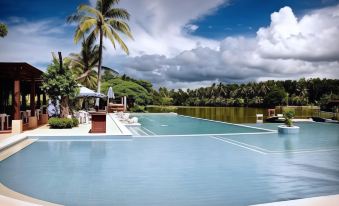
223,169
173,124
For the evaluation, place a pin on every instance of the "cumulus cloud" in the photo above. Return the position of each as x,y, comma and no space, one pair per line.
290,47
312,38
162,27
166,51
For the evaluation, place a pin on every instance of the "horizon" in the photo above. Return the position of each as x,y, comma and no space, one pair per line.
191,46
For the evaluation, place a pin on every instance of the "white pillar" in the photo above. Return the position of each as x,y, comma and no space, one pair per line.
17,126
125,103
260,118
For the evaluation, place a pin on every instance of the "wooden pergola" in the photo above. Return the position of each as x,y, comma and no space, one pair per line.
17,79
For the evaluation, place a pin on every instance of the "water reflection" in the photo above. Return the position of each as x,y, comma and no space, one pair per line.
226,114
98,149
289,140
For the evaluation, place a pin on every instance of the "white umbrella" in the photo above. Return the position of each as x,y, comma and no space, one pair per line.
110,94
85,92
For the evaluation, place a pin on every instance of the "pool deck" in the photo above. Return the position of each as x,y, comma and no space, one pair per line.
9,197
114,128
331,200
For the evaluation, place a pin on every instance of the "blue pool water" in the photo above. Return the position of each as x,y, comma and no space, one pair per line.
239,169
312,136
172,124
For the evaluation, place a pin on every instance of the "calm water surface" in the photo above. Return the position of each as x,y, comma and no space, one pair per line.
227,114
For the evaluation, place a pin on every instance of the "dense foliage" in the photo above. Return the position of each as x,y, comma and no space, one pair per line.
62,123
289,114
84,64
262,94
135,93
60,84
3,30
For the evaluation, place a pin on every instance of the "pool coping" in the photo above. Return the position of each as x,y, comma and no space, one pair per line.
267,131
236,124
16,138
19,199
328,200
264,151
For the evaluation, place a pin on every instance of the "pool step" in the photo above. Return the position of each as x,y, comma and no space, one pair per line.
10,197
5,153
139,131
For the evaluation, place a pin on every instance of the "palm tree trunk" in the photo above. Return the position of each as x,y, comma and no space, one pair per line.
99,66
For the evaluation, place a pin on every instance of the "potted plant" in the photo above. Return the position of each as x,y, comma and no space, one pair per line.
288,128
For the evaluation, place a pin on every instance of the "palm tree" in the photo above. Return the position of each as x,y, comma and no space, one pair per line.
103,21
3,30
83,64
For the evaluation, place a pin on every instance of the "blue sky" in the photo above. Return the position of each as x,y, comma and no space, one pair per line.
190,43
245,17
236,17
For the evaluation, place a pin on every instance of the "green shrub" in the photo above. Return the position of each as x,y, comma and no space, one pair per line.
60,123
288,122
288,114
75,122
137,108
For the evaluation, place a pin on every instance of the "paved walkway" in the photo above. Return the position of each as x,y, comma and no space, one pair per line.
331,200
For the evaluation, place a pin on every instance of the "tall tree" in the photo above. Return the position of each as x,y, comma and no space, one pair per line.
83,64
104,20
59,83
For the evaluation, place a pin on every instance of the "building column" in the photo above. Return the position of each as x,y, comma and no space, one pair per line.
16,122
16,100
38,103
125,103
44,99
32,120
32,98
44,103
23,102
2,99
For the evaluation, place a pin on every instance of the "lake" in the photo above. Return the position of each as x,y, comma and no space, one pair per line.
229,114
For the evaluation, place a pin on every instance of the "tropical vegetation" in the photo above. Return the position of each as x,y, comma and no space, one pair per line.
288,115
253,94
83,64
63,123
136,91
59,83
3,30
104,20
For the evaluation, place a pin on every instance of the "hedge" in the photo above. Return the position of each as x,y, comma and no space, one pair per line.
62,123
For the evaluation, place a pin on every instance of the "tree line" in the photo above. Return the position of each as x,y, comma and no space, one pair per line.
270,93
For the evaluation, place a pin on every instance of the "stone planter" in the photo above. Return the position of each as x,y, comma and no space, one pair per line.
283,129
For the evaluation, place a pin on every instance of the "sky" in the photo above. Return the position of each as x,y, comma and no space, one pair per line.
190,43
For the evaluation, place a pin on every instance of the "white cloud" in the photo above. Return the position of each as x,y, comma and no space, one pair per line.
191,28
33,41
162,27
288,48
166,52
313,38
